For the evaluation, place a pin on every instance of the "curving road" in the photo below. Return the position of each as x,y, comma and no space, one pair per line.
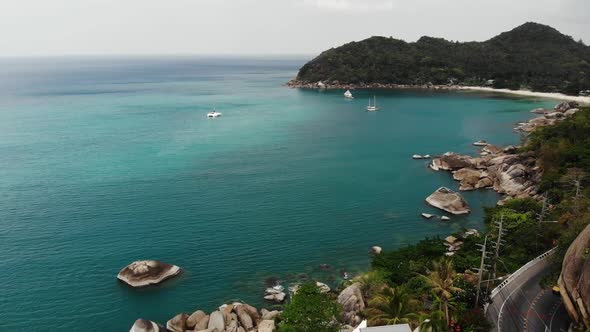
524,306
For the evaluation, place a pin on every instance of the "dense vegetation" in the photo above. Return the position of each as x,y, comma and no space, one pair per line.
531,56
310,310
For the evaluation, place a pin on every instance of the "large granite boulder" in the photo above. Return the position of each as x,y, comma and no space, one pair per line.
353,303
451,161
512,179
195,318
147,272
449,201
574,281
269,315
468,178
566,105
216,321
266,326
144,325
244,317
177,323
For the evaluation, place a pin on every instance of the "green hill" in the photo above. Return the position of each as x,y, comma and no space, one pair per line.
533,56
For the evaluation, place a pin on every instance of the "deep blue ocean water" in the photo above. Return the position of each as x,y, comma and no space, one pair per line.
104,161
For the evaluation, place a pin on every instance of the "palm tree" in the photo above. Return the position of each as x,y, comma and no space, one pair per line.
441,279
391,306
432,322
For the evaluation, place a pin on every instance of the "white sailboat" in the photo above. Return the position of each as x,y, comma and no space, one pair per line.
372,108
348,95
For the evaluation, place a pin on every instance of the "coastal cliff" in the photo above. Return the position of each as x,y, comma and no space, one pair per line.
532,56
574,281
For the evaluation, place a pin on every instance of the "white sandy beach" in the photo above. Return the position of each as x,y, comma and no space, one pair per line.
526,93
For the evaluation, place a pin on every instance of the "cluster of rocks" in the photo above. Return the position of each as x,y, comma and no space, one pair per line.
350,86
548,117
235,317
509,173
454,243
275,294
502,169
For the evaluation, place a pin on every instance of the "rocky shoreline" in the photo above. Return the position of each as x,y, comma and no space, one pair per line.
508,171
351,86
330,85
242,317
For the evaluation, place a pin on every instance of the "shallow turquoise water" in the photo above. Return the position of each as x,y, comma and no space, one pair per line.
109,160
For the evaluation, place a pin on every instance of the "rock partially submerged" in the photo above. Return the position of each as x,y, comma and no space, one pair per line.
451,161
144,325
147,272
376,250
449,201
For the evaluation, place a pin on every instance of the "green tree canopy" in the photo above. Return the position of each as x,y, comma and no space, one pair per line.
310,310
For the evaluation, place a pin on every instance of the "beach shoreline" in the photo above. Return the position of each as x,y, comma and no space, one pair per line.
522,93
527,93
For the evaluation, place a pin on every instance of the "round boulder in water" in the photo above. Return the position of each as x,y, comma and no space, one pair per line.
147,272
144,325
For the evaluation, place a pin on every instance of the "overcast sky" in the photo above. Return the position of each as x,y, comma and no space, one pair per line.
57,27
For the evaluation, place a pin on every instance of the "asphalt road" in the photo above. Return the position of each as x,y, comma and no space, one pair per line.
523,306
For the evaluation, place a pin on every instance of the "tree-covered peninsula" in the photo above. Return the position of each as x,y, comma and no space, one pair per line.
531,56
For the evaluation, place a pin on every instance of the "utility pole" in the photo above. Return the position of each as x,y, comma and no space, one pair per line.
540,220
498,244
481,269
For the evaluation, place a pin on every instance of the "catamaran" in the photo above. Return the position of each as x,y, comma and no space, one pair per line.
372,108
213,114
348,95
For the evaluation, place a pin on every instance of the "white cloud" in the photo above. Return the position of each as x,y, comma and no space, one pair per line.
351,5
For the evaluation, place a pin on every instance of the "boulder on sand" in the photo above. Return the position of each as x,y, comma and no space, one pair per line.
144,325
448,200
147,272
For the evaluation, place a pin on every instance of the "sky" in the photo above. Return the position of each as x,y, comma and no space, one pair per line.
262,27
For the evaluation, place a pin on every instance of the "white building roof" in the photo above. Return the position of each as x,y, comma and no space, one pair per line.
388,328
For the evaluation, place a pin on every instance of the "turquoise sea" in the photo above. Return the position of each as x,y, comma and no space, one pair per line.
104,161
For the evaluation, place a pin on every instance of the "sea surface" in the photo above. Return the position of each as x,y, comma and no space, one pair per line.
104,161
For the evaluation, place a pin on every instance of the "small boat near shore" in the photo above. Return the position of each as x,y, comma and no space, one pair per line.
348,95
417,156
480,143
